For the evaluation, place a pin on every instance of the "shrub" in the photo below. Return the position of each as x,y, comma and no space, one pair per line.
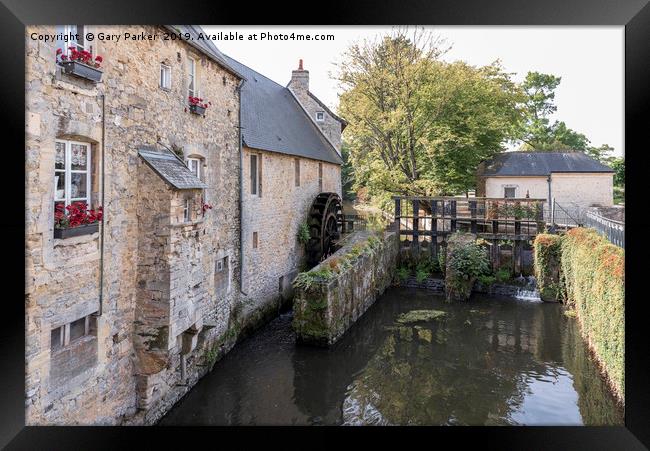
403,273
421,275
466,261
486,279
547,251
469,261
503,275
303,233
592,270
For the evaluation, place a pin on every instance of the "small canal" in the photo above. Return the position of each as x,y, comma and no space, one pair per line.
491,361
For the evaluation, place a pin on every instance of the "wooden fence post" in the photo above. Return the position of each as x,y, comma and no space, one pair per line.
416,225
398,215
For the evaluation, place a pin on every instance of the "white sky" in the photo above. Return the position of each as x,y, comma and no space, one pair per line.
589,59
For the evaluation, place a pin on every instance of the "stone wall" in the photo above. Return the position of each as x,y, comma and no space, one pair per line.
362,269
63,276
275,216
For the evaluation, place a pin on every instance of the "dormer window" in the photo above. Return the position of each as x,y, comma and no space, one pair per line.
194,165
320,116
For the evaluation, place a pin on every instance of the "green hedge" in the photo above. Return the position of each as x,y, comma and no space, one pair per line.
593,272
548,250
587,272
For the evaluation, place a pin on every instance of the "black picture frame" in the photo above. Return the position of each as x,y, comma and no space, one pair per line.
633,14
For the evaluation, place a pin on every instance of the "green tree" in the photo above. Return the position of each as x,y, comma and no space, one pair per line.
419,125
347,173
537,132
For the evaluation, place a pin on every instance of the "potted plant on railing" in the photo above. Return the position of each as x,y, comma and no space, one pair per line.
81,64
197,106
76,220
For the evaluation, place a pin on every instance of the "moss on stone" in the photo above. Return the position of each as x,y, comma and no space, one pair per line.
415,316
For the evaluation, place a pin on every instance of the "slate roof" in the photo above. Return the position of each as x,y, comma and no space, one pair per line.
204,45
171,169
273,120
540,164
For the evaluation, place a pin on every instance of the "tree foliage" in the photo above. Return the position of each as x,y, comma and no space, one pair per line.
420,125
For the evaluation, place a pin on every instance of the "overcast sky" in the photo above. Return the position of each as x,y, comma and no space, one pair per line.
589,60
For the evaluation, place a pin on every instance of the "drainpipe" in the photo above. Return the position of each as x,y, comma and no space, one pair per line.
101,229
241,194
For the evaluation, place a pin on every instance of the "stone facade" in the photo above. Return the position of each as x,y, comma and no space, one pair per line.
331,125
274,213
571,189
121,323
327,308
153,302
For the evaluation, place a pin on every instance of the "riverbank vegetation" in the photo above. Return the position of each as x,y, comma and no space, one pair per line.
591,281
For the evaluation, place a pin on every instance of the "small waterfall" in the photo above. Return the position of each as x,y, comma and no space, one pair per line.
528,290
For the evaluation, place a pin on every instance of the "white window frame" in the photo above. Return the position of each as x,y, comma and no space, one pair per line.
187,210
165,76
322,116
192,85
189,162
67,171
71,30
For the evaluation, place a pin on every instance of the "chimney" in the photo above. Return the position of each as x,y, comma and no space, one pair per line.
300,79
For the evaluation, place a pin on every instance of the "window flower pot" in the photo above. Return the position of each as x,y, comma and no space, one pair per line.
82,70
85,229
197,109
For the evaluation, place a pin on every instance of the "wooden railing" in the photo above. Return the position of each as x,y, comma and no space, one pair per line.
493,218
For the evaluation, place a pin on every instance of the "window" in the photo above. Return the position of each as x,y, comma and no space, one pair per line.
256,174
194,164
165,76
192,88
72,172
296,166
62,336
76,34
320,116
73,349
320,177
221,275
187,210
509,191
254,240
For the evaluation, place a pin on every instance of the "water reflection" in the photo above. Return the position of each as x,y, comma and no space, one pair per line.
486,362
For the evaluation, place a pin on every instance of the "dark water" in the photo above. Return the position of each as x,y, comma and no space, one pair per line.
486,362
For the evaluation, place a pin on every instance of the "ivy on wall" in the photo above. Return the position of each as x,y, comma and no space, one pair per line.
591,279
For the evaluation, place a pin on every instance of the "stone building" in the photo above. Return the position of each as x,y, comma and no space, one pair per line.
123,320
287,161
573,178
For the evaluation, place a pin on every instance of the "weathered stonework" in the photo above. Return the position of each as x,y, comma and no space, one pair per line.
275,216
325,310
163,298
157,275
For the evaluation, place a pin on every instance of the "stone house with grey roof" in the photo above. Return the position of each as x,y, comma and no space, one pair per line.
290,154
198,239
573,178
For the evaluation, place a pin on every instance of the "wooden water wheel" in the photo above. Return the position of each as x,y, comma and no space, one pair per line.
325,219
